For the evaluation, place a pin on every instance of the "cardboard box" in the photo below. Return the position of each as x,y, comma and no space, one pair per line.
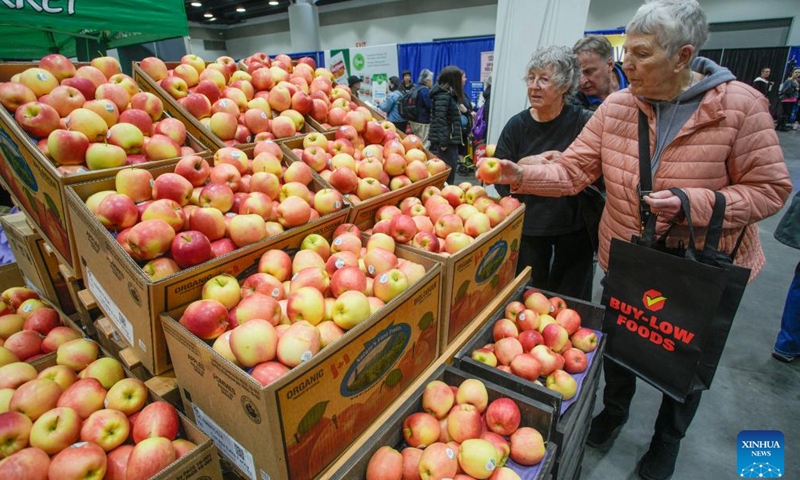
363,213
575,417
540,416
175,109
40,269
293,428
126,295
35,183
201,463
476,274
10,276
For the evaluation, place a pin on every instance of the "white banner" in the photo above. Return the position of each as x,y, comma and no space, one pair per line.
487,63
373,65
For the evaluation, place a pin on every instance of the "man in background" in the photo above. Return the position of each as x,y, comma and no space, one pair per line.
762,83
600,76
408,84
354,83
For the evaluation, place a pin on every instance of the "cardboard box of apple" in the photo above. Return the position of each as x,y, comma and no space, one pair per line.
268,99
460,427
29,327
82,417
363,165
541,340
209,207
91,117
444,220
293,306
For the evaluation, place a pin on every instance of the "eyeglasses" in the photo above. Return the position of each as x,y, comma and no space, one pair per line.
542,82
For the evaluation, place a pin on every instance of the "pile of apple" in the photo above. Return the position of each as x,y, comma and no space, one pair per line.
334,106
443,220
291,308
540,338
82,418
460,435
267,100
200,212
91,117
29,328
362,171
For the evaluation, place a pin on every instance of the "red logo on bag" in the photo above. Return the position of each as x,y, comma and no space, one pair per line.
653,300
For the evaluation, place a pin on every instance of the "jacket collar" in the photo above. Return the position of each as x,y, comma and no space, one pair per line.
708,112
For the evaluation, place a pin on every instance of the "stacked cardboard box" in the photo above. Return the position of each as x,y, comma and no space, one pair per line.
295,427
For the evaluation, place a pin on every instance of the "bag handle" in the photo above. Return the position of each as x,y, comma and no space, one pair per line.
711,248
645,170
648,232
687,212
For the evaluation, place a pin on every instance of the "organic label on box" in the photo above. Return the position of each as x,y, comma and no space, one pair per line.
229,447
109,307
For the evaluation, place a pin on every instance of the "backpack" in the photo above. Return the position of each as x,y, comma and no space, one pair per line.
479,130
407,105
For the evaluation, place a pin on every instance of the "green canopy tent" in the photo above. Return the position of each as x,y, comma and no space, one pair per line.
30,29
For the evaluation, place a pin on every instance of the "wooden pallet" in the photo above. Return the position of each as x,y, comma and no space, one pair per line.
75,287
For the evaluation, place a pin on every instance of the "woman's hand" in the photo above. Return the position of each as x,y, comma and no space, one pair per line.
510,172
664,204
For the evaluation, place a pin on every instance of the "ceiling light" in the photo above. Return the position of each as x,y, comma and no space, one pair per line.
274,2
212,19
240,9
208,15
197,4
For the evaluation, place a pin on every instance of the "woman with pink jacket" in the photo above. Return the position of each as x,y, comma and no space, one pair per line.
708,132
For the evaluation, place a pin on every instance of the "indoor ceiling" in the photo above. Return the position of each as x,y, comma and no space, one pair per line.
229,12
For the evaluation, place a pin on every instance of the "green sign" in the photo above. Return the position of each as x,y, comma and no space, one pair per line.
359,62
34,28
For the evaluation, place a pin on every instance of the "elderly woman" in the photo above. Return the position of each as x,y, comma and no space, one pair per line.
421,125
555,241
708,133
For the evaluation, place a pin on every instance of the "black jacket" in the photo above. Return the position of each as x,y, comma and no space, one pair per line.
445,118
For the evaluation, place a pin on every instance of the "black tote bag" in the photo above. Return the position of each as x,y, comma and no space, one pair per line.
669,310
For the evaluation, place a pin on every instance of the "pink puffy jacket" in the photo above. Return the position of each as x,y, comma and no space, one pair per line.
728,145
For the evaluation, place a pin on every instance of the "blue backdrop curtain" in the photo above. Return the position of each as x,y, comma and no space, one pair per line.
463,53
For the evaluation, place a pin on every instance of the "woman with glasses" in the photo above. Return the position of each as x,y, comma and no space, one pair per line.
555,240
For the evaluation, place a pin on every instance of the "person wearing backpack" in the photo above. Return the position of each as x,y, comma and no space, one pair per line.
788,97
445,131
392,103
420,116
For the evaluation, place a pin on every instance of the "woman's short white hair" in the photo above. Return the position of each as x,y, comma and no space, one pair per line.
564,63
674,23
